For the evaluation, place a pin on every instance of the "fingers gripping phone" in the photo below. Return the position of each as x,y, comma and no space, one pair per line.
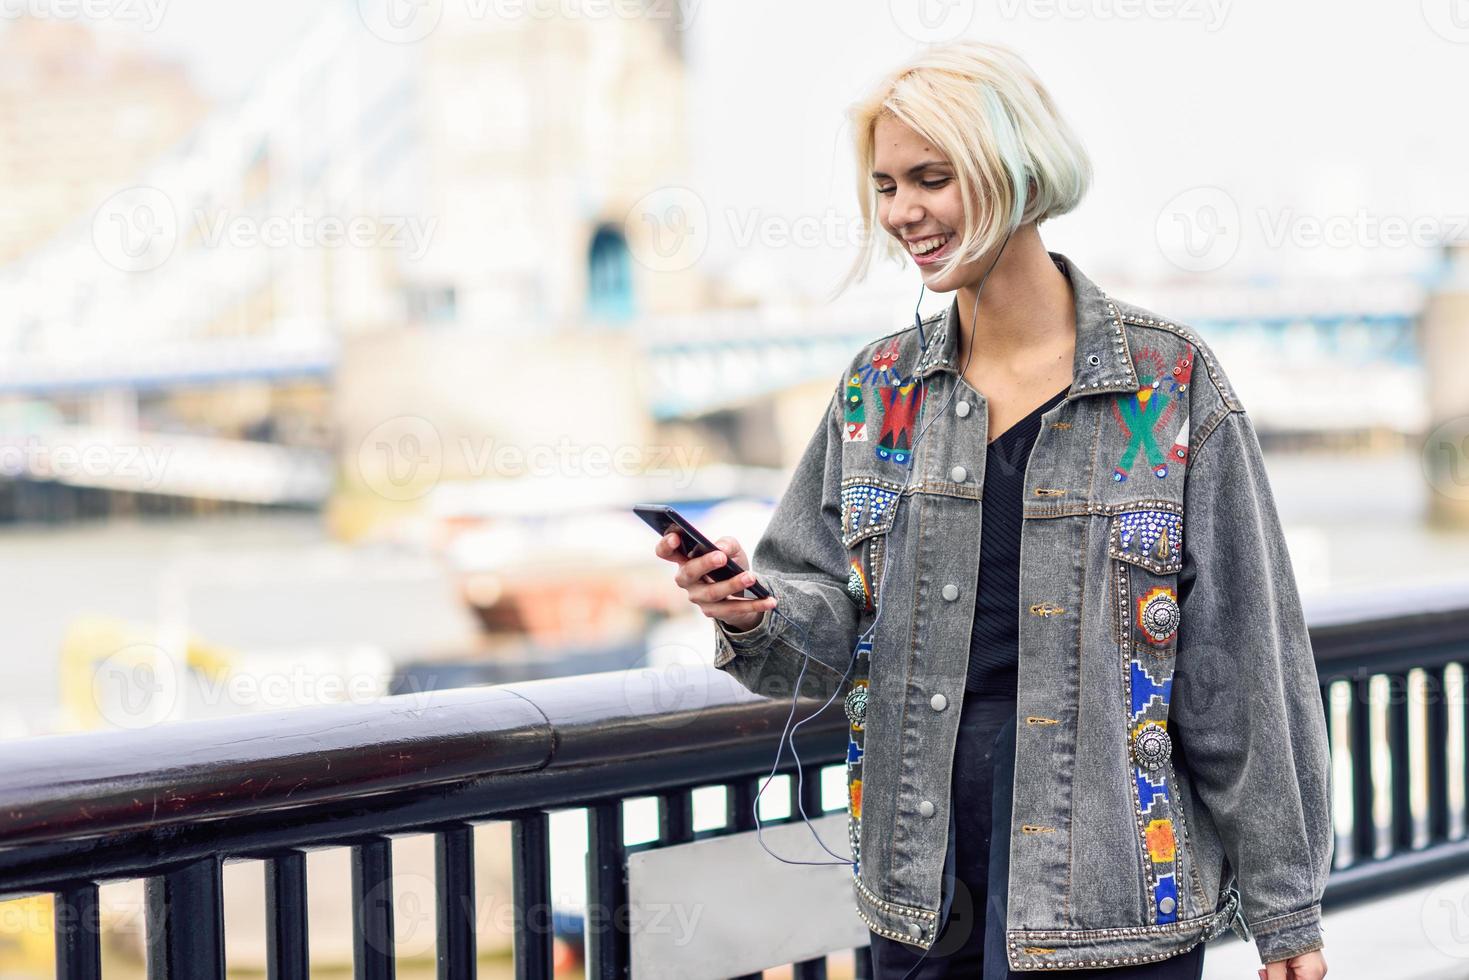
662,518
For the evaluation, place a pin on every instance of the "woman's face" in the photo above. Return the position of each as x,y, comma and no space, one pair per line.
918,202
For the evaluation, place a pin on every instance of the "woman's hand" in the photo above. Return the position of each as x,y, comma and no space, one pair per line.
1307,966
716,599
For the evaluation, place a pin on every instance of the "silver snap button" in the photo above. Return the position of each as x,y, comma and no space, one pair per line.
926,808
915,930
1093,359
951,592
962,410
958,473
1165,905
1151,746
938,702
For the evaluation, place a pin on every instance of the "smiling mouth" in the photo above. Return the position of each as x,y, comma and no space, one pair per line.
929,249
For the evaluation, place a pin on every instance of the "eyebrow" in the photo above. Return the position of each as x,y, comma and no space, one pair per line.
916,168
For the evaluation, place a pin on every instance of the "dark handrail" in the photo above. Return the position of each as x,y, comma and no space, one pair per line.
99,784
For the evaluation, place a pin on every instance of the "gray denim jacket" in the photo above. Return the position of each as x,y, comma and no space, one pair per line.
1171,771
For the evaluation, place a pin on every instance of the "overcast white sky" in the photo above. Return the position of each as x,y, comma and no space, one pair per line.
1282,123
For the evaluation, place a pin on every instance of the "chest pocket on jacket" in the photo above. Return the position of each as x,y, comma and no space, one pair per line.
1147,545
869,508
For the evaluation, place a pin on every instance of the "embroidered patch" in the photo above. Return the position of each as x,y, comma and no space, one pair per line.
856,709
900,404
1157,410
855,429
1150,749
1145,689
1158,614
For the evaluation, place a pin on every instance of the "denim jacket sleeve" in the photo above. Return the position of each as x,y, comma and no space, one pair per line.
1251,724
804,564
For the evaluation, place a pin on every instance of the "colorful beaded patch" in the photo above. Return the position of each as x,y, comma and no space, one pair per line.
864,508
1152,538
883,369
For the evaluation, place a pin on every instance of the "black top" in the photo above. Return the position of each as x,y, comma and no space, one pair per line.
994,643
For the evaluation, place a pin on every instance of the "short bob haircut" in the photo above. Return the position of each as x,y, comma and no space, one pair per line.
1015,158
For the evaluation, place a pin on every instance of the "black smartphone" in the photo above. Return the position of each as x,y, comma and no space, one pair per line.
663,518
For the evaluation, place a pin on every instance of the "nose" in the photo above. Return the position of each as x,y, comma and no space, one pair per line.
905,210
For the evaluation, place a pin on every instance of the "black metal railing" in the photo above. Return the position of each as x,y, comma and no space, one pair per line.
171,804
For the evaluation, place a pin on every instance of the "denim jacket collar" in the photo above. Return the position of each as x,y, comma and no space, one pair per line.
1103,360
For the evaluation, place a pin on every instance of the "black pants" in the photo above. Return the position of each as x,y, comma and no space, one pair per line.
971,942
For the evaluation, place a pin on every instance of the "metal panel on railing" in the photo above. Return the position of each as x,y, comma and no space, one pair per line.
707,909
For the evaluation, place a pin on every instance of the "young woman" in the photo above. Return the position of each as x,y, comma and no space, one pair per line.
1050,507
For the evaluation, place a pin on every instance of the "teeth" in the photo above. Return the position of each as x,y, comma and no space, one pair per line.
928,245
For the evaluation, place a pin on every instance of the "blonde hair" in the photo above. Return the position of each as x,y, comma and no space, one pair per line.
1015,157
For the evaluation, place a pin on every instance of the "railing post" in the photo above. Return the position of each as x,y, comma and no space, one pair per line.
1364,821
78,946
607,945
372,909
454,884
186,923
530,870
287,947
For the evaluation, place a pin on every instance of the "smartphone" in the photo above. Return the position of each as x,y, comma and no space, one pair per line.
662,518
